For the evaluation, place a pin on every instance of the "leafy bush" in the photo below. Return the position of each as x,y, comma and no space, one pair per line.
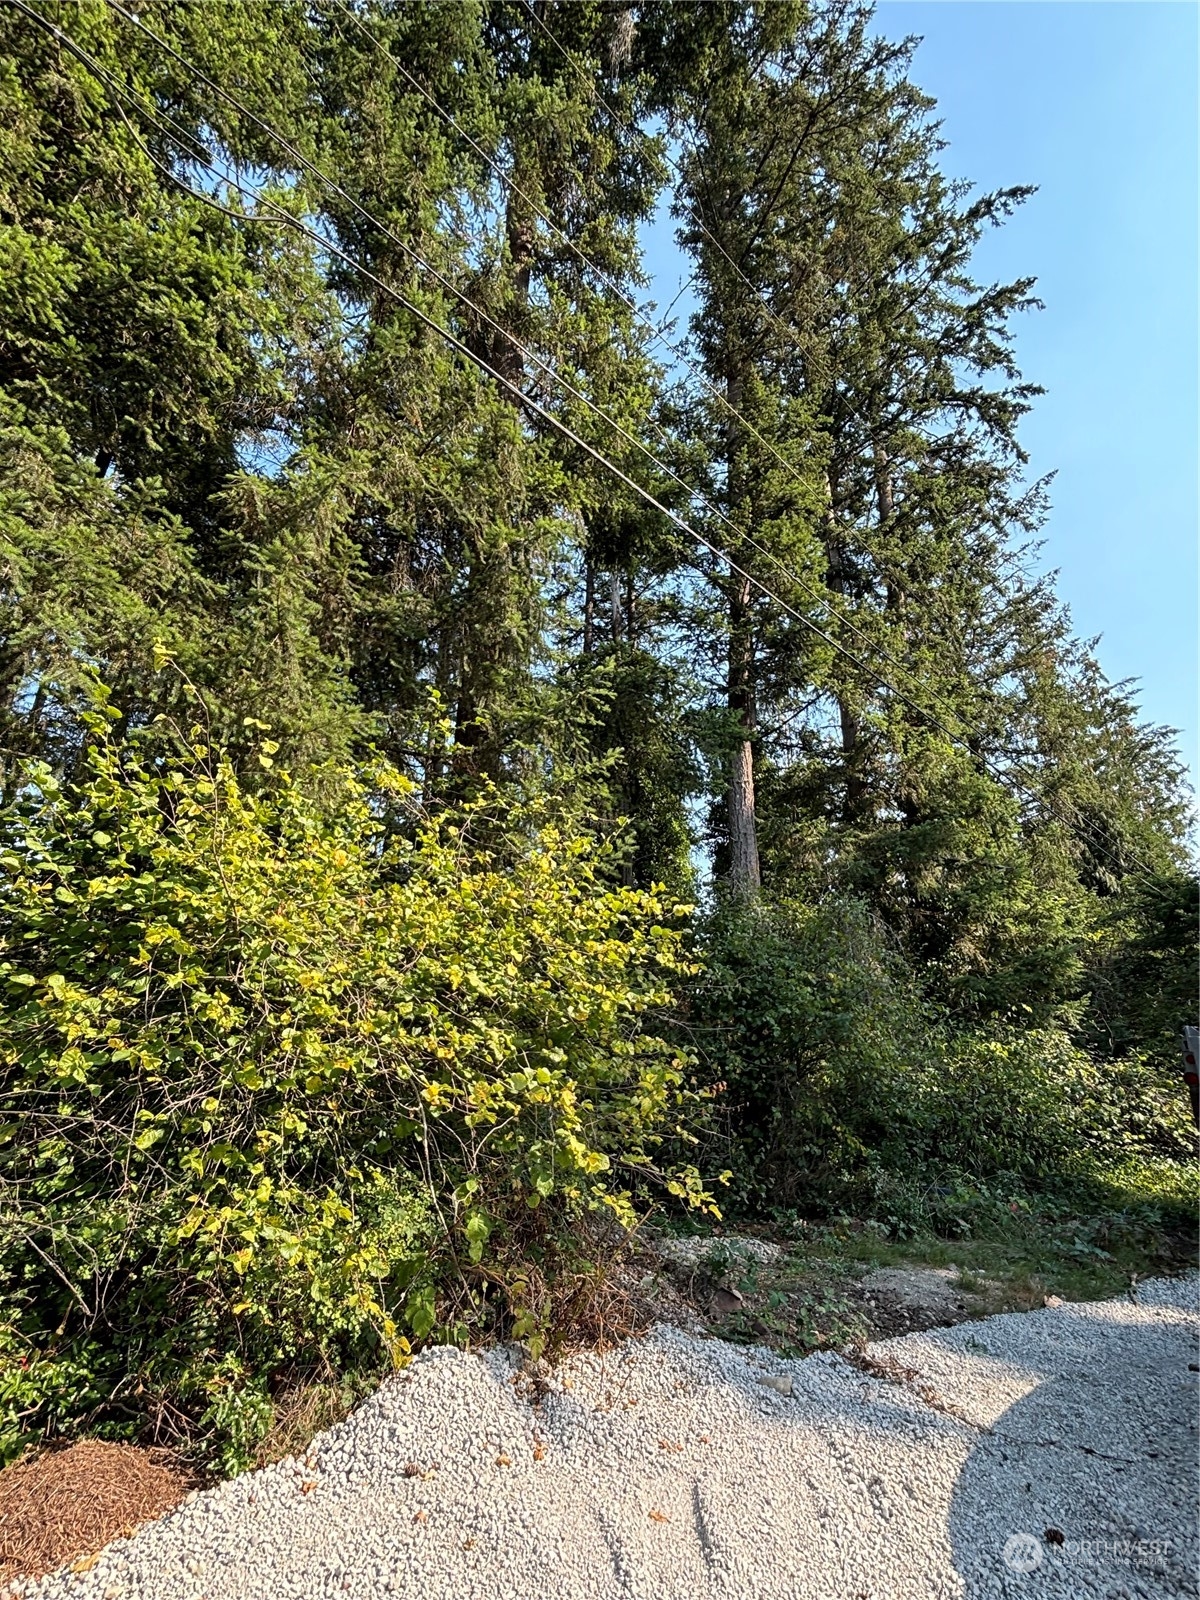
1034,1106
811,1026
841,1086
286,1086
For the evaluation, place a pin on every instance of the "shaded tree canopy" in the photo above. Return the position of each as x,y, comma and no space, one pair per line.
326,371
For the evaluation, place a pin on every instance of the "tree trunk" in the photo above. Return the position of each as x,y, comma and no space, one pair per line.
745,874
885,503
856,787
589,606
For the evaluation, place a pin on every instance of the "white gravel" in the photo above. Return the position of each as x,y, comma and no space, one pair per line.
707,1250
669,1470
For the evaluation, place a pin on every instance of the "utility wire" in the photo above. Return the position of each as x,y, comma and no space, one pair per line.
183,138
789,467
550,371
694,214
791,333
657,331
694,494
671,162
287,219
658,335
1001,774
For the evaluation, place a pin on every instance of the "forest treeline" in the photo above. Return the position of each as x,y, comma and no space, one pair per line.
478,747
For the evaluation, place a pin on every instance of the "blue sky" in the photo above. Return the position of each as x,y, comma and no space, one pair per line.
1095,101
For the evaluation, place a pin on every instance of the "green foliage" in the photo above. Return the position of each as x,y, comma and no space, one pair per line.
811,1023
839,1079
652,766
302,1063
281,1086
1034,1107
1143,971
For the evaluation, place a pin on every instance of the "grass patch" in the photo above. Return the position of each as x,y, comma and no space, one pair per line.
1011,1251
307,1408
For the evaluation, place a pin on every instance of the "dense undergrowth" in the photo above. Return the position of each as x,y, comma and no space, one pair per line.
289,1090
286,1089
846,1088
866,1124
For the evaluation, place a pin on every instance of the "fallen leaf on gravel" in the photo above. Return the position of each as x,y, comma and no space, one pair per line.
539,1451
1054,1536
504,1461
85,1563
667,1444
308,1486
469,1544
659,1516
421,1516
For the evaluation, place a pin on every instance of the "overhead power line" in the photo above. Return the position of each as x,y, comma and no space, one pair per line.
185,141
693,213
551,372
819,595
656,330
1009,775
510,183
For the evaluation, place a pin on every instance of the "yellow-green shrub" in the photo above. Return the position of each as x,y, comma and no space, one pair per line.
276,1080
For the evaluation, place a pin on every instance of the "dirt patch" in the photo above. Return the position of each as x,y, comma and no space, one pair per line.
907,1299
64,1505
758,1291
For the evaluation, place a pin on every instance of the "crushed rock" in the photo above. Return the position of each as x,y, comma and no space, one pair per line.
927,1294
712,1251
1060,1457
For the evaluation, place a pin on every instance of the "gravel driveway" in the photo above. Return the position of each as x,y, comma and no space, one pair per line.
1051,1453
